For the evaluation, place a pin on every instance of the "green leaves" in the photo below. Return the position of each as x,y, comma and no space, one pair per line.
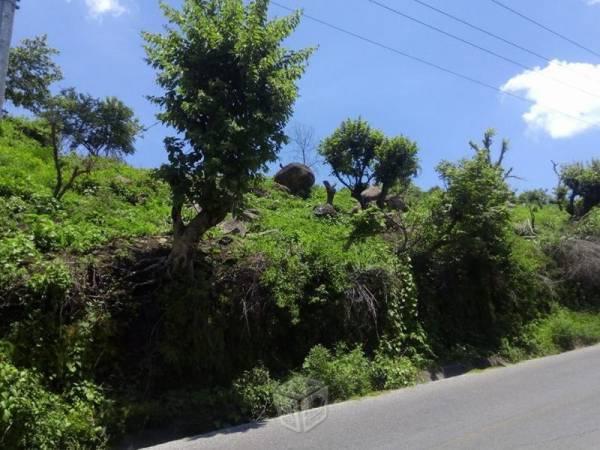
31,72
396,161
350,151
81,122
360,155
228,89
582,183
466,270
33,417
102,127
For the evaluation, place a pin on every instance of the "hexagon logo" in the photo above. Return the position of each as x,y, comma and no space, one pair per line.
302,404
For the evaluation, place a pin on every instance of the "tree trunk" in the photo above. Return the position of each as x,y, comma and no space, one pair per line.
57,163
355,194
331,191
571,205
384,193
180,262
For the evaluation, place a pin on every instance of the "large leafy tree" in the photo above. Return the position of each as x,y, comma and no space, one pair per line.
360,155
102,127
350,152
581,186
31,72
395,163
82,128
228,90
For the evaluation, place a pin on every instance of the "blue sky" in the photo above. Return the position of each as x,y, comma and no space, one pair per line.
102,54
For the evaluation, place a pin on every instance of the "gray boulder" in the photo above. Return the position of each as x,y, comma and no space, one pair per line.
396,202
370,195
249,215
233,227
325,210
282,188
298,178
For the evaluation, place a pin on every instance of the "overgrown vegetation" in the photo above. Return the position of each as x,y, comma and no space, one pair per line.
273,299
295,298
561,331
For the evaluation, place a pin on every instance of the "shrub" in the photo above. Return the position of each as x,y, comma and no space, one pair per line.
17,253
589,226
32,417
560,331
393,373
368,222
565,331
471,288
254,390
300,392
346,373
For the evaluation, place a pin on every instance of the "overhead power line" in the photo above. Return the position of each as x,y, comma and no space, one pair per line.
479,47
483,30
426,62
158,122
496,36
550,30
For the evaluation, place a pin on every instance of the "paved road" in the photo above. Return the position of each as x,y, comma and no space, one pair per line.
551,403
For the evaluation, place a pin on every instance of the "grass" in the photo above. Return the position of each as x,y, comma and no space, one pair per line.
116,201
312,268
549,218
563,330
291,219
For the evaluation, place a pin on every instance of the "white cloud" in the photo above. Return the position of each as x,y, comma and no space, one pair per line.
98,8
593,2
565,108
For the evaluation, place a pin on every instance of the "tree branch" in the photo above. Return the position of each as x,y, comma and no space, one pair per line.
57,162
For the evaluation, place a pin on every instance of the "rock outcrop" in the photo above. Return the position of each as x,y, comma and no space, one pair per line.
396,202
325,210
370,195
298,178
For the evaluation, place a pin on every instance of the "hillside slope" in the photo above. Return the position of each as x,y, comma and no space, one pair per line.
94,343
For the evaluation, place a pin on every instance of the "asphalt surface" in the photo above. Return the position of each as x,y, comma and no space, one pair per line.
550,403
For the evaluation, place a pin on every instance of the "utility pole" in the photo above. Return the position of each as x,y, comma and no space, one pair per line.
7,17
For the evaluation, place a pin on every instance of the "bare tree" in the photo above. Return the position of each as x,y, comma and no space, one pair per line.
303,138
488,140
331,191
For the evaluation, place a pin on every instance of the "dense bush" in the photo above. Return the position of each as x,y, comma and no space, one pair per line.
472,290
33,417
589,226
582,185
255,390
348,373
345,373
282,290
562,330
393,372
343,300
368,222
